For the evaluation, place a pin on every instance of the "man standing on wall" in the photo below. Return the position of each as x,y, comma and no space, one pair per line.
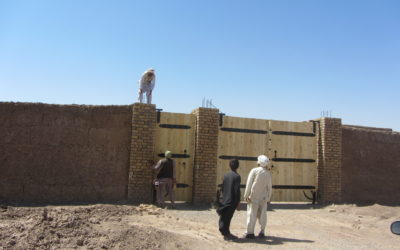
166,179
257,194
230,200
146,85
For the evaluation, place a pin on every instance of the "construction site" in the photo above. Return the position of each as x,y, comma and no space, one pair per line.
77,176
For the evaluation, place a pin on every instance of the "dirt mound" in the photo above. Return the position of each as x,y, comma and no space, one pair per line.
78,227
193,227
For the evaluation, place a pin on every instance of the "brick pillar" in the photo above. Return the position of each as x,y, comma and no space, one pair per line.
330,160
205,158
141,156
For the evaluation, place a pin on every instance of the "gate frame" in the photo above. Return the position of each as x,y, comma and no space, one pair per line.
329,155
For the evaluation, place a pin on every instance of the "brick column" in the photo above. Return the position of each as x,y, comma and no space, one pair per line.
330,160
205,158
142,147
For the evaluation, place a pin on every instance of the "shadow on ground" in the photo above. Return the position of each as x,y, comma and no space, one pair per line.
272,240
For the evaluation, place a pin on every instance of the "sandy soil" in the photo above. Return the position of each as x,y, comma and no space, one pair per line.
290,226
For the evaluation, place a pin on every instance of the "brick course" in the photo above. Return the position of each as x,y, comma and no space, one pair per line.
141,156
205,161
330,160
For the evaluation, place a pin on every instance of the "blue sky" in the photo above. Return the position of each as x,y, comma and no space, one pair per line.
280,60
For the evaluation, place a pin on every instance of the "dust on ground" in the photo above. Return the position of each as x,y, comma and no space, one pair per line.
107,226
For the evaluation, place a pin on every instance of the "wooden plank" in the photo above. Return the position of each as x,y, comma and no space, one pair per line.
293,147
292,174
287,146
178,141
246,144
245,137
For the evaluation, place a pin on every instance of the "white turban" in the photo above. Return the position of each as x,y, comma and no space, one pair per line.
262,160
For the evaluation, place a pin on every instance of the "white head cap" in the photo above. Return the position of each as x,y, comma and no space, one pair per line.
262,160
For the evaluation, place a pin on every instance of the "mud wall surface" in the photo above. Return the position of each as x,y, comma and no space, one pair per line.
371,166
64,153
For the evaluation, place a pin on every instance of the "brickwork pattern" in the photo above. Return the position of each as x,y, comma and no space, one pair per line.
205,161
330,160
370,165
141,156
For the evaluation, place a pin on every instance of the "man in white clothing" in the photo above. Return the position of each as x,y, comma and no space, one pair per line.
257,194
146,85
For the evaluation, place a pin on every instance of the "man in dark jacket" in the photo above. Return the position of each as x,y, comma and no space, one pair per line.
230,200
166,179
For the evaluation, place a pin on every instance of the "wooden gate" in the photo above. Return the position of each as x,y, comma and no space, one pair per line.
293,150
175,132
243,139
291,146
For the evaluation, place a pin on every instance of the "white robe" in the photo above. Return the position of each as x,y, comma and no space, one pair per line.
259,191
146,87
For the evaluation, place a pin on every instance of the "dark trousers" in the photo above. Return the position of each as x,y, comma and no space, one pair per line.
225,219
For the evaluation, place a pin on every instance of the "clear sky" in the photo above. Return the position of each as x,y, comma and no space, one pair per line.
281,60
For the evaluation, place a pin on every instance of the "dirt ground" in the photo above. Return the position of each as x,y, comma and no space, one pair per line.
103,226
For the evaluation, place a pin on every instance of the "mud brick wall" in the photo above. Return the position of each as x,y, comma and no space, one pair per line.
71,153
330,160
205,161
64,153
371,165
142,152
